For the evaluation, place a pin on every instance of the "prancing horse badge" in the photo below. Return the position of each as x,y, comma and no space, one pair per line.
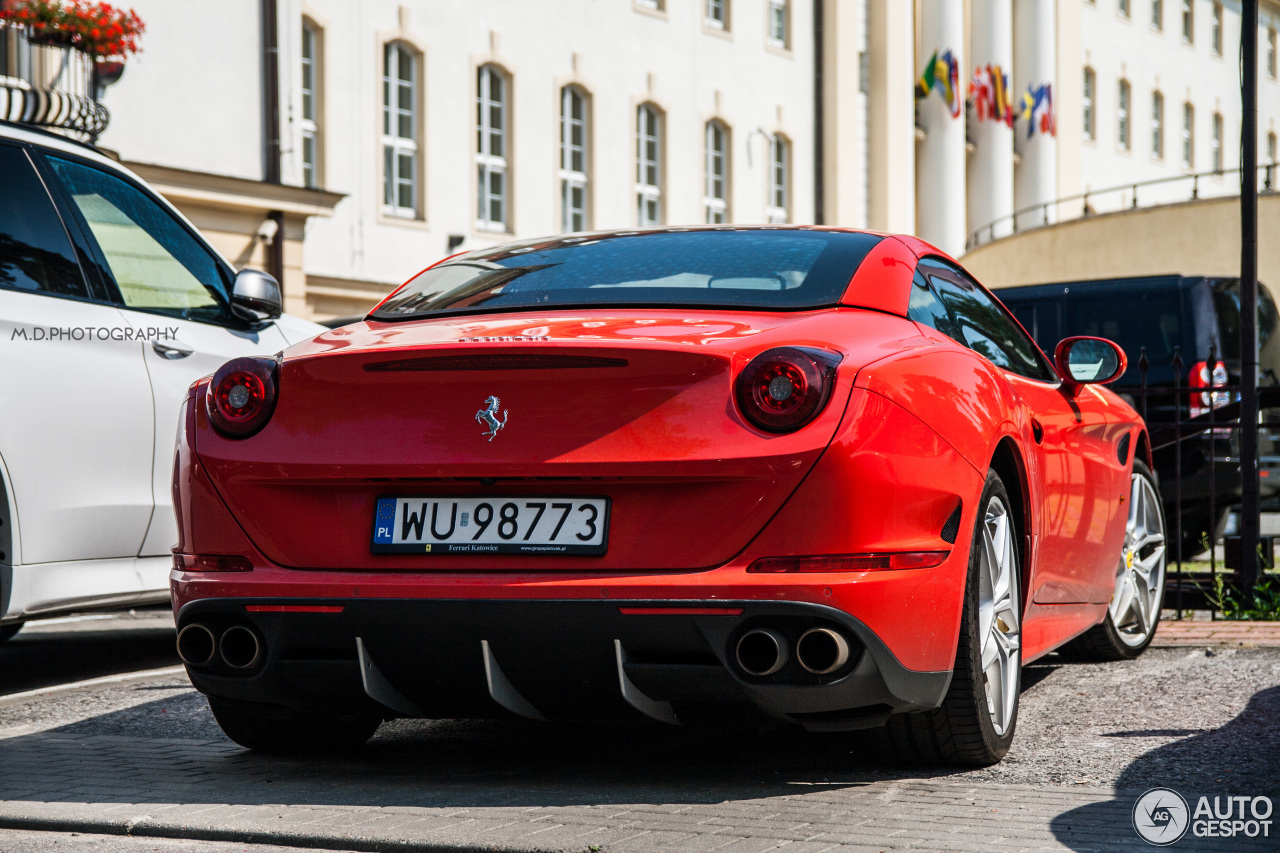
488,417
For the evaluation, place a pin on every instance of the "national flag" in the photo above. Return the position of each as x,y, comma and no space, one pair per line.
927,80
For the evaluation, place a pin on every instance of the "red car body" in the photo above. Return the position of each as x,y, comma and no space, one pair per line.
697,495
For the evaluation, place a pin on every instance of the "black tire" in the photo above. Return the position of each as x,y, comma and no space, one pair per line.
8,632
270,729
1102,642
961,731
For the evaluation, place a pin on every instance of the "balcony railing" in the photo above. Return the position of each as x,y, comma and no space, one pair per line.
48,85
1151,193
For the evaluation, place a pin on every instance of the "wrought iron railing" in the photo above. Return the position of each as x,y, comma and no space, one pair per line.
50,85
1170,190
1194,427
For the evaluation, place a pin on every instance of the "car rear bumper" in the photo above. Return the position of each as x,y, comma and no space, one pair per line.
550,658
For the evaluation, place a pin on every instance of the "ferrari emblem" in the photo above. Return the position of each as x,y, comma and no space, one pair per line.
488,417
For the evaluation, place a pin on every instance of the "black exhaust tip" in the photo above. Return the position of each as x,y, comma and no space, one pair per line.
240,647
196,645
822,651
761,652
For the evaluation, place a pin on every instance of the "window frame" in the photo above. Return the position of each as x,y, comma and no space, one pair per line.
779,17
1217,32
1271,147
1157,15
778,201
572,179
1188,22
1271,52
399,147
1216,142
1124,109
1157,124
311,55
715,15
488,164
1088,103
649,128
714,205
1188,135
1124,9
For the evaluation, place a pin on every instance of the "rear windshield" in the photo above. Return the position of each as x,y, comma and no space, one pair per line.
765,269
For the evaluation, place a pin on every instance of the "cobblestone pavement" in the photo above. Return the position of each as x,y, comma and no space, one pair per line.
144,757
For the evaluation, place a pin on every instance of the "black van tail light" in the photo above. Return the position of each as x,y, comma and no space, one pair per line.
1202,377
784,388
242,396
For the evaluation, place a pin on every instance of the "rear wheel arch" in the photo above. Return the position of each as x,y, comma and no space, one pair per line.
1007,461
8,538
1143,451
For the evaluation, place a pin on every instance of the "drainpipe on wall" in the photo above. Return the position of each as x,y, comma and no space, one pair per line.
271,128
818,151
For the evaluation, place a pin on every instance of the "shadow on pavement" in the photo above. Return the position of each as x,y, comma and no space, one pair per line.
40,658
1241,758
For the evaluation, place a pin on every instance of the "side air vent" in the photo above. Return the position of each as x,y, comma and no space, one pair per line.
494,362
1122,449
951,529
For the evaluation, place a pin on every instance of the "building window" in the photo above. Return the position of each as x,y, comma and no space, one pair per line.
1122,116
779,23
716,14
648,165
1090,129
491,149
1271,52
573,159
1122,6
716,198
1217,29
1217,142
1157,125
1271,148
1188,22
399,131
655,5
310,105
778,208
1157,14
1188,136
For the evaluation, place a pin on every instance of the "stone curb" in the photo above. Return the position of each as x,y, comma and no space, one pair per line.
147,828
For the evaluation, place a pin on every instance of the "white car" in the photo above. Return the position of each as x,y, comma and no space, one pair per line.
111,305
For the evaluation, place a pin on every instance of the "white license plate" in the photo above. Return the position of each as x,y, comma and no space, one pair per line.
491,525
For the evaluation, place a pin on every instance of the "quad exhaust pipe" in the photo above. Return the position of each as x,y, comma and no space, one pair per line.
762,651
822,651
238,646
196,645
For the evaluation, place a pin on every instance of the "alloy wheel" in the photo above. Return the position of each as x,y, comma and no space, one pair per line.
999,620
1135,606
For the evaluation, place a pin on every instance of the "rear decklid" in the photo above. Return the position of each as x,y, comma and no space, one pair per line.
632,406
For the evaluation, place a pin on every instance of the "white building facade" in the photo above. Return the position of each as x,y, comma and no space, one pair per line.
448,126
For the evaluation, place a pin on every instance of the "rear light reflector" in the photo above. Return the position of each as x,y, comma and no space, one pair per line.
294,608
242,396
850,562
1202,377
211,563
680,611
784,388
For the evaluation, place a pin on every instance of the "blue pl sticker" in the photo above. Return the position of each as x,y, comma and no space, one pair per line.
384,521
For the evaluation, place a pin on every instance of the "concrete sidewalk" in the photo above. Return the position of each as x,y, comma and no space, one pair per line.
215,791
1197,632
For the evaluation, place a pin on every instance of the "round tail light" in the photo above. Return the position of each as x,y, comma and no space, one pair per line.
782,389
242,396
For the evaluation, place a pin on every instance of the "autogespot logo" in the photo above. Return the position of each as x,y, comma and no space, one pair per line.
1160,816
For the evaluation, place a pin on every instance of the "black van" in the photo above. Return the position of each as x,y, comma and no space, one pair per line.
1161,313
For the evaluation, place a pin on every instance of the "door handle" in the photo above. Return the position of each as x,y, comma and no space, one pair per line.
171,351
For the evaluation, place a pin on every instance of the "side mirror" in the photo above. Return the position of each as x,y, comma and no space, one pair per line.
256,297
1089,361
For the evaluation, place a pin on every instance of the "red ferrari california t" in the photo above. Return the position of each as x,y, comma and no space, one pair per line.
815,473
